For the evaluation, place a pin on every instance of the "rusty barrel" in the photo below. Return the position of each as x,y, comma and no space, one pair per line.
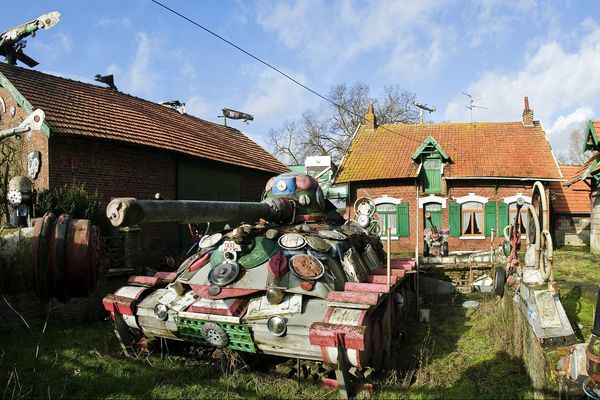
131,211
65,257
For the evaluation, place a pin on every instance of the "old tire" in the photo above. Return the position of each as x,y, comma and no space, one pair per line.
499,281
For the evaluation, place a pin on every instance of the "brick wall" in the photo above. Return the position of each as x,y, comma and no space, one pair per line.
119,170
405,189
572,230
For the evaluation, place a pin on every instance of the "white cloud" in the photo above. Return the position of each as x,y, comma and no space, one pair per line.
142,78
554,77
561,130
491,20
333,33
105,22
199,107
275,98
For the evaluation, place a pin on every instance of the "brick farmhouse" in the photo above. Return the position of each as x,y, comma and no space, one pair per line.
120,145
468,176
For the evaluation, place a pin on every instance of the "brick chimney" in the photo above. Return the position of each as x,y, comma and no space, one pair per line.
527,113
370,122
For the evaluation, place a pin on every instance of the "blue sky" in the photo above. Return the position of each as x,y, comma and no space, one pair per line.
498,51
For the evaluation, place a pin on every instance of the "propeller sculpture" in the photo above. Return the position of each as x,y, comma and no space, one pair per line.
12,41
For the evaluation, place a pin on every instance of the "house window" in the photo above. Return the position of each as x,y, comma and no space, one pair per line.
387,217
472,219
435,210
512,215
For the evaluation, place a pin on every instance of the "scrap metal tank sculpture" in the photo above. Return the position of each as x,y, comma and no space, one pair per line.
300,283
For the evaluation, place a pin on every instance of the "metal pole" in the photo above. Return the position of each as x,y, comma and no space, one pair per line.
417,249
389,255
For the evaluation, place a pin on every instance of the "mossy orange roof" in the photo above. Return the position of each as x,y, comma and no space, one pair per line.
490,149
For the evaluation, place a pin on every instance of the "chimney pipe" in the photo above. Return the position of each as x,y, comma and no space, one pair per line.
527,113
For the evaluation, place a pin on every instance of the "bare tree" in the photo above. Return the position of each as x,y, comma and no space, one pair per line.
329,129
575,153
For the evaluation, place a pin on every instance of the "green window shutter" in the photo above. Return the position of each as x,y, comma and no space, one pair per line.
502,216
402,226
490,217
454,218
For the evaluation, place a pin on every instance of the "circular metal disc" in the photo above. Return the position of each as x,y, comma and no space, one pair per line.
335,235
214,335
224,274
306,267
210,241
318,244
292,241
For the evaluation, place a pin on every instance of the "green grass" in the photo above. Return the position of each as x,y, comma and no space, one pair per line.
577,273
463,355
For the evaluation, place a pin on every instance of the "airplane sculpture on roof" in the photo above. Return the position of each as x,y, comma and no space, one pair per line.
12,43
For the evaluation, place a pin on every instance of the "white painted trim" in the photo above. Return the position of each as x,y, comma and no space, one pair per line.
514,198
385,199
432,199
472,237
384,238
471,197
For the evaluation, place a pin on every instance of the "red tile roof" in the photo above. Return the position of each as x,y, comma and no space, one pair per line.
591,167
570,200
490,149
82,109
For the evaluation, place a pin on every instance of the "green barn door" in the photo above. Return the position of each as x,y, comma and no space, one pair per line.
202,181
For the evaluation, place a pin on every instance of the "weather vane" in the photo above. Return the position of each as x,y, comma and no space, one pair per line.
422,107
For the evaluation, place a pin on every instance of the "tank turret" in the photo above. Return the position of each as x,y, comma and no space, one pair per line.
293,280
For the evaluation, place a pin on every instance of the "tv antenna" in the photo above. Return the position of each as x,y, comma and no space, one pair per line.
422,107
472,105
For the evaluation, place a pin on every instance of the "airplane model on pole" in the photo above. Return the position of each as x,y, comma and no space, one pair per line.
12,43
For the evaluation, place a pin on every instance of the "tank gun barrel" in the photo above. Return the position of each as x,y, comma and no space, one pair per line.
130,211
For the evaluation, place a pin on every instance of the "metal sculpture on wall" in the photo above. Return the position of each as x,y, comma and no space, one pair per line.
34,162
300,283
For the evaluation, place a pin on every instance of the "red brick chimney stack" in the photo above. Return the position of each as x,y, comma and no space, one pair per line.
527,114
370,122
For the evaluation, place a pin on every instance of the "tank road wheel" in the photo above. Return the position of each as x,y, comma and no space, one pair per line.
377,344
215,335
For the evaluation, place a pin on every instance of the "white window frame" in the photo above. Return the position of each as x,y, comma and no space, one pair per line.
472,197
385,199
432,198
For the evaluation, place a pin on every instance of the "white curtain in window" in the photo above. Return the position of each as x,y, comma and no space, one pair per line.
478,222
466,218
392,223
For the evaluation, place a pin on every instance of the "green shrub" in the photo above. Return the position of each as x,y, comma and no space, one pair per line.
69,199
